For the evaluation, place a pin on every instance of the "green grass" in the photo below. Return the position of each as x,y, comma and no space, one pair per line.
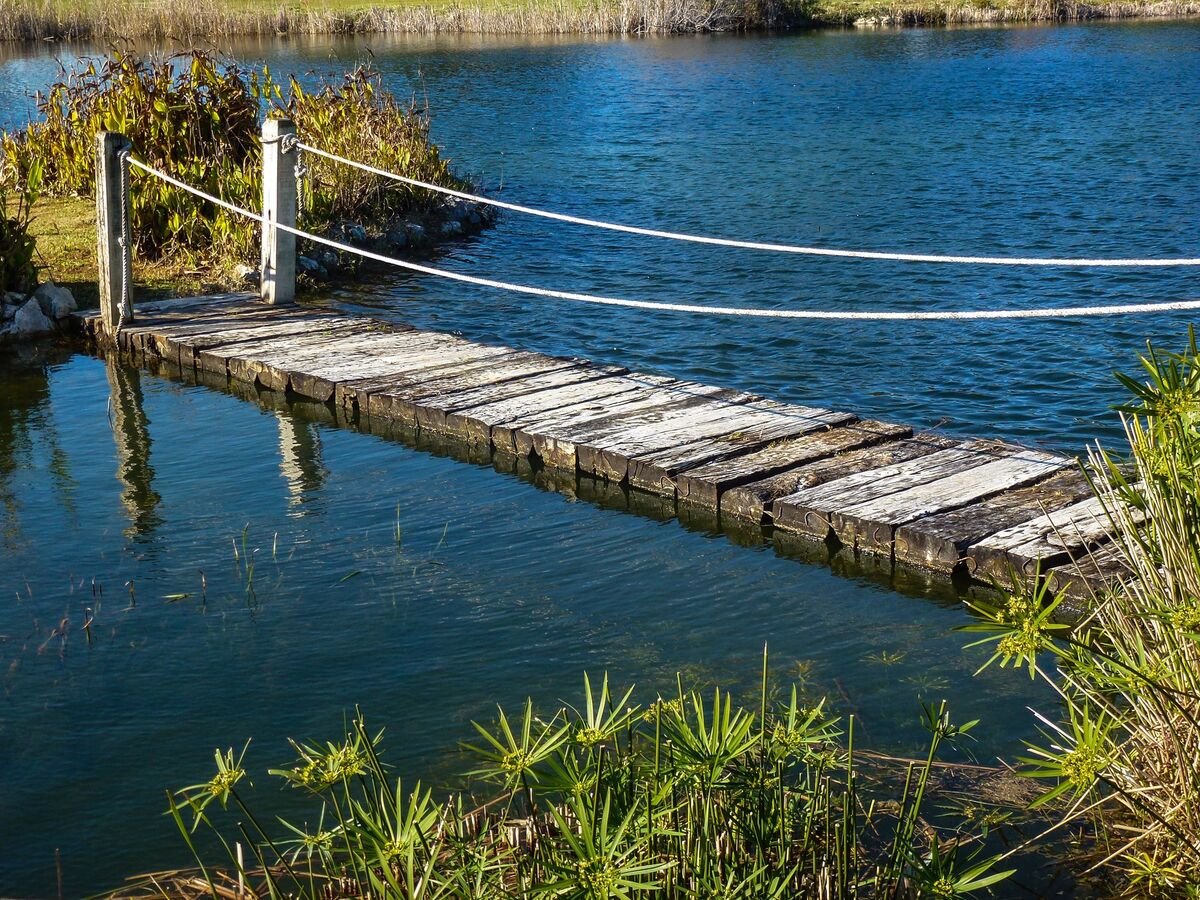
66,254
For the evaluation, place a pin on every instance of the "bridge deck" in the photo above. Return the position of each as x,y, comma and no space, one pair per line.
983,507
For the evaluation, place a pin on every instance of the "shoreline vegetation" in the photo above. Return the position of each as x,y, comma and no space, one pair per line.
196,116
91,20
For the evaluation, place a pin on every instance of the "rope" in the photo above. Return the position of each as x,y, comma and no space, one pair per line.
125,307
974,314
757,245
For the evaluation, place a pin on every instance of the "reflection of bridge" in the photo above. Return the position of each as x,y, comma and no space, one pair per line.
299,452
978,507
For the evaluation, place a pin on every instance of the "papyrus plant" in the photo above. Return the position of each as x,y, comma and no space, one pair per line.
1123,747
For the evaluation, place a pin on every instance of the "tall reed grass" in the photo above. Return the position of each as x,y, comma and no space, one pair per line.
1124,744
156,19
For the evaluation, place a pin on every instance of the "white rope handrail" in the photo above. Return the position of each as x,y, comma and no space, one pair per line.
758,245
872,315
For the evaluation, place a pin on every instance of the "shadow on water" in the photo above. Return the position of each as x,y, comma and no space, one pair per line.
304,471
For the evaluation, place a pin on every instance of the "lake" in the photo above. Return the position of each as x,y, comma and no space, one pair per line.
122,491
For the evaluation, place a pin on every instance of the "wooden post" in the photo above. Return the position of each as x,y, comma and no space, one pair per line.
278,278
114,242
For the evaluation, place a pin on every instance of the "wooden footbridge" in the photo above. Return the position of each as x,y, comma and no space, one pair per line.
979,508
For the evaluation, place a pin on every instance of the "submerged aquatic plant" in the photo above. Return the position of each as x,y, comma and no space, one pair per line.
686,798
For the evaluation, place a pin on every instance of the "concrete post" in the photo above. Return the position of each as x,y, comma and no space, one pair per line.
278,279
114,241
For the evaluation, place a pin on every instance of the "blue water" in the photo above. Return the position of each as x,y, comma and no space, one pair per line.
118,488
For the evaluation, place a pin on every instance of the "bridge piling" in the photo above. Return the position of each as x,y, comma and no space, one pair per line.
280,157
114,241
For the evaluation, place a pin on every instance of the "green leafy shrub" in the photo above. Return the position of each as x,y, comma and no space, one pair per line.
689,797
1124,750
18,269
197,117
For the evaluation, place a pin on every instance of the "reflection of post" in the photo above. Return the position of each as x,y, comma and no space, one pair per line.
132,437
299,456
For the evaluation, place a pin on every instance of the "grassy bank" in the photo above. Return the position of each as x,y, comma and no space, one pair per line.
158,19
65,231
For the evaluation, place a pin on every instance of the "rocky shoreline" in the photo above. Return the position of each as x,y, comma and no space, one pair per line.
45,310
39,312
413,236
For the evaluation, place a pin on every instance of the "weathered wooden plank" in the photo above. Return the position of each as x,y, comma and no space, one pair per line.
704,484
185,343
719,430
192,305
271,361
147,313
533,434
812,509
664,410
930,500
1047,540
313,365
871,524
473,413
940,541
556,438
213,352
756,500
137,336
401,397
1089,576
335,378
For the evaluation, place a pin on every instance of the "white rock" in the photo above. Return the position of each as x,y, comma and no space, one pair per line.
874,22
30,319
246,274
451,228
7,312
415,232
56,302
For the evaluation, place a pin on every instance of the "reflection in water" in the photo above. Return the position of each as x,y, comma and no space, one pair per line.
131,433
28,436
299,457
26,392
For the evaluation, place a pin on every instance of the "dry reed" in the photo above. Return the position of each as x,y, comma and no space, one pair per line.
159,20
